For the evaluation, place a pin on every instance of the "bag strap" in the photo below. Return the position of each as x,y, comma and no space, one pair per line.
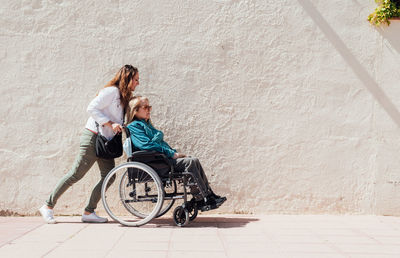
97,125
123,118
127,132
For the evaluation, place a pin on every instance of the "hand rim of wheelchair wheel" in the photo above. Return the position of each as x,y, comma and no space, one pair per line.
131,209
166,208
158,200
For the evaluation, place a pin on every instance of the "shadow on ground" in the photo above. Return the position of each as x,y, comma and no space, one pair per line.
199,222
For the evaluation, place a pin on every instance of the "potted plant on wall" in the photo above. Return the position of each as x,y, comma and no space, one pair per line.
387,9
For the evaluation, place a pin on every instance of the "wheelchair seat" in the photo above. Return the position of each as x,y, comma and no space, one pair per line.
157,161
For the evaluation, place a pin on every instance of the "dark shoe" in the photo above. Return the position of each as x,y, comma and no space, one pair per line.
214,195
219,201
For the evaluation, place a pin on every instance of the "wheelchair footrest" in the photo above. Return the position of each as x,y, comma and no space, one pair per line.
210,207
213,206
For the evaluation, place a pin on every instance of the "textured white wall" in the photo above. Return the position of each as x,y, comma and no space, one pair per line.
292,106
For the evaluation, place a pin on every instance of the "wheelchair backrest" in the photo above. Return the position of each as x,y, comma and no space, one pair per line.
152,159
128,145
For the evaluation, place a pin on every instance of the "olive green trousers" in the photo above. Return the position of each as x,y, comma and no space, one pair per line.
83,162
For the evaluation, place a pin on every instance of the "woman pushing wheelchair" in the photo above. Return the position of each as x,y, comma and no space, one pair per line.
145,137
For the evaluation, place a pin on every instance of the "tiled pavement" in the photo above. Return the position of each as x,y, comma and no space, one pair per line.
208,236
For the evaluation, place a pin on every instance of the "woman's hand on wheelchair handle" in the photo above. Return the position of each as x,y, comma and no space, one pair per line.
117,128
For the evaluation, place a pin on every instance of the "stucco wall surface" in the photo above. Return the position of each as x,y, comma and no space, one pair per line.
291,105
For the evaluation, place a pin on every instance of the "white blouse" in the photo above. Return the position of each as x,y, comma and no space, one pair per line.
106,106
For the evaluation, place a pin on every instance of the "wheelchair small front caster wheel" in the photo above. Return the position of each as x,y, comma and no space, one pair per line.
193,212
181,216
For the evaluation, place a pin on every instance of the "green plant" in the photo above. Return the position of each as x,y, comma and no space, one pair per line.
386,10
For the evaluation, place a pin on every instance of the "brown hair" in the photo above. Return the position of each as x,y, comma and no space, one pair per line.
121,81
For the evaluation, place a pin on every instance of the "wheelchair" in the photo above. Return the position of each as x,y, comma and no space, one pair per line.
148,188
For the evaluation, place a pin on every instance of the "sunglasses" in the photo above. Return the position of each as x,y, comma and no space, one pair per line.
147,107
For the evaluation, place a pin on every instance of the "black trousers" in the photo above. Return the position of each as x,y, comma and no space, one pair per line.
192,164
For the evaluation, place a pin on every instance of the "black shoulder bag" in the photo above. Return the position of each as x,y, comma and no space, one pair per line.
108,149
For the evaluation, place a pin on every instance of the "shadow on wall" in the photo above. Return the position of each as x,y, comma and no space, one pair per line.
392,34
362,74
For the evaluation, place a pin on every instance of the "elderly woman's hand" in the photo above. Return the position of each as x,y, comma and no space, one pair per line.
178,155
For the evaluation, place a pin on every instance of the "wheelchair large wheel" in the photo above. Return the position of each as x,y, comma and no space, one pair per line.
169,190
138,196
166,205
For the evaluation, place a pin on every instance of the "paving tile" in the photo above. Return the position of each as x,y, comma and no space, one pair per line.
381,232
368,255
154,236
13,228
263,254
244,238
21,220
288,231
26,249
309,248
251,247
239,231
179,254
94,242
51,233
139,254
369,249
334,231
209,236
344,239
76,253
195,238
195,231
388,240
315,254
196,246
141,246
298,239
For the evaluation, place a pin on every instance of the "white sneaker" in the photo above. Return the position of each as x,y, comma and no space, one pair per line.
92,217
47,214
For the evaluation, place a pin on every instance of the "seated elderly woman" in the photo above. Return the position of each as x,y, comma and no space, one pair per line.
145,137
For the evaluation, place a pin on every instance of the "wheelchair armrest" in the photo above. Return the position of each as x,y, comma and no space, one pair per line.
147,156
